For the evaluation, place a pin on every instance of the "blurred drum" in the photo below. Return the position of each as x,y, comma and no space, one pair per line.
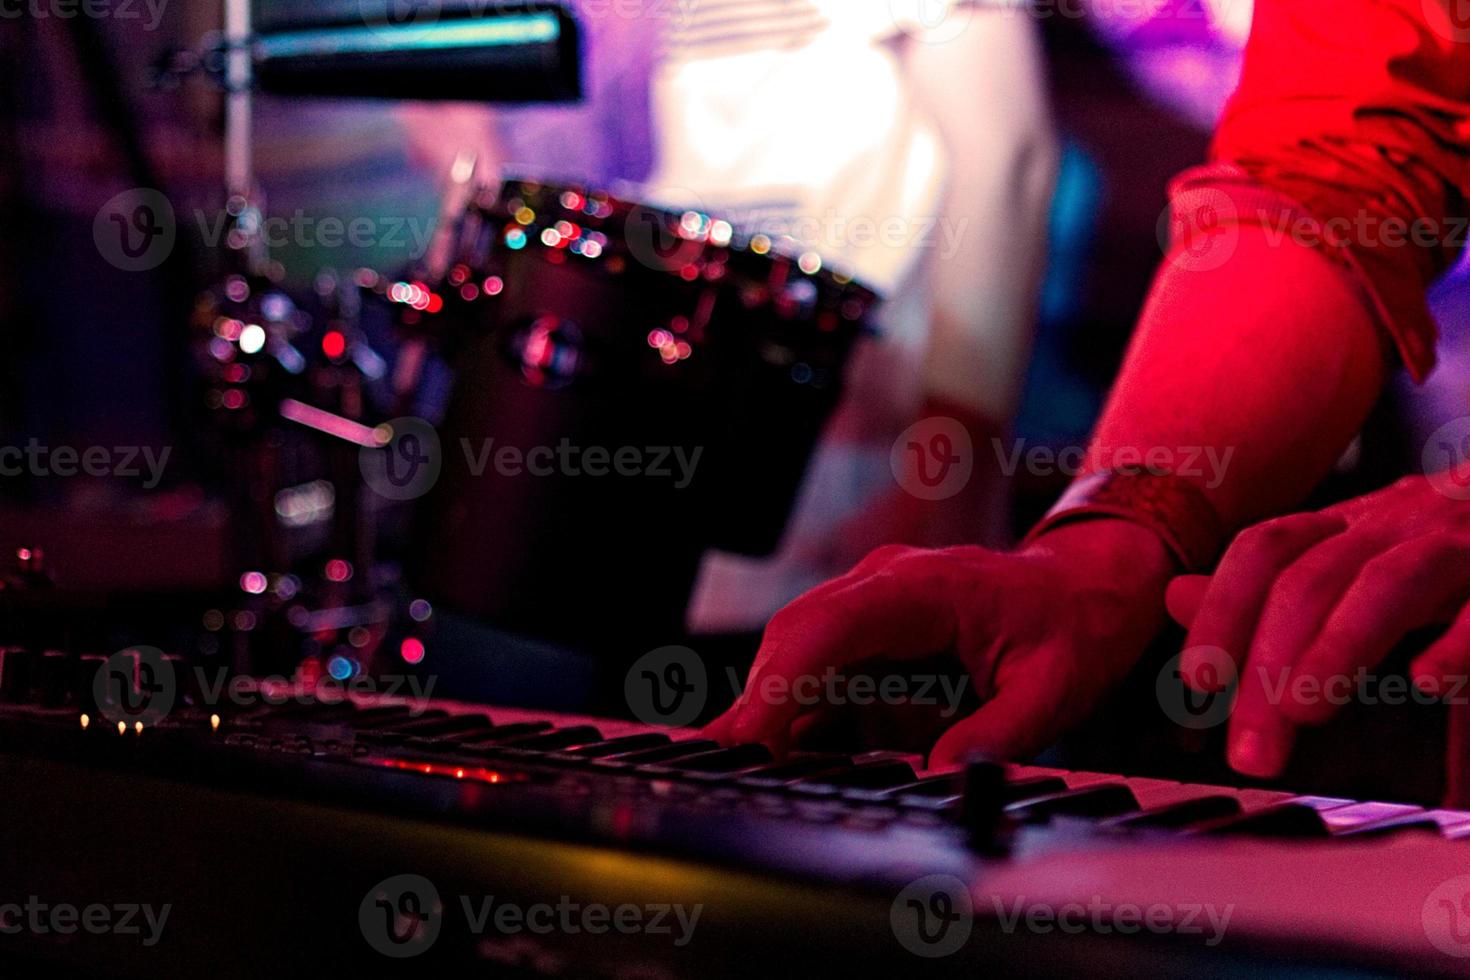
633,386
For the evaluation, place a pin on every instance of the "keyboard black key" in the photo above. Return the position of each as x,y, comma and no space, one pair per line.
615,746
792,769
1174,816
399,732
1407,824
662,753
587,754
552,741
879,775
438,727
1285,820
949,784
1020,790
361,719
488,741
1095,802
934,793
716,762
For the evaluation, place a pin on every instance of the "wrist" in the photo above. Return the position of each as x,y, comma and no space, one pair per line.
1113,548
1175,510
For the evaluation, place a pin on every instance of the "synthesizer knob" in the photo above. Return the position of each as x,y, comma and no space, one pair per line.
54,677
982,806
17,665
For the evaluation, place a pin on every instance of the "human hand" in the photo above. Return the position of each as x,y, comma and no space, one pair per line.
1044,633
1302,603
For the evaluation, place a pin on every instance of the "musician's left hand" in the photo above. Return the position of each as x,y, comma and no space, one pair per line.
1302,603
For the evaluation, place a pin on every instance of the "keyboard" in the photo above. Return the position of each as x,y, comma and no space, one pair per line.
293,833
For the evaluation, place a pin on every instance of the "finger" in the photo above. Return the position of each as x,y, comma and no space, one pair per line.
902,610
721,729
1014,725
1184,596
1228,614
1299,601
1442,668
1417,583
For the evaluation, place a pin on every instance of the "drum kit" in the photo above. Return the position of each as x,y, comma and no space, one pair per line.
630,386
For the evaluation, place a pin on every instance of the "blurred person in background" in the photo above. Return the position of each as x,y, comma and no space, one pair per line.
829,121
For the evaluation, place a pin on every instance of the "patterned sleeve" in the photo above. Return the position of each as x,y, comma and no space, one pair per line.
1350,131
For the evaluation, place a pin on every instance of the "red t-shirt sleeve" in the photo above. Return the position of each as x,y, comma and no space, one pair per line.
1350,129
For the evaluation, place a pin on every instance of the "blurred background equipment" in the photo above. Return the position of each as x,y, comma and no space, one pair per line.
690,368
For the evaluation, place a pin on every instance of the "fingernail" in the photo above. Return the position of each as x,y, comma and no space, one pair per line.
1254,753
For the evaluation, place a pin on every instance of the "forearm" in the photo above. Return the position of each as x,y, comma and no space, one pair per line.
1347,125
1251,378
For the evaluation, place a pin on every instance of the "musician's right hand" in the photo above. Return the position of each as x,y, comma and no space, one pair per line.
1044,633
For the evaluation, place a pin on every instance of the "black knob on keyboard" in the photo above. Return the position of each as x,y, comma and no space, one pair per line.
17,667
982,807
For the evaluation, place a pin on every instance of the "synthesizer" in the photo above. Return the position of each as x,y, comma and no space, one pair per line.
293,831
